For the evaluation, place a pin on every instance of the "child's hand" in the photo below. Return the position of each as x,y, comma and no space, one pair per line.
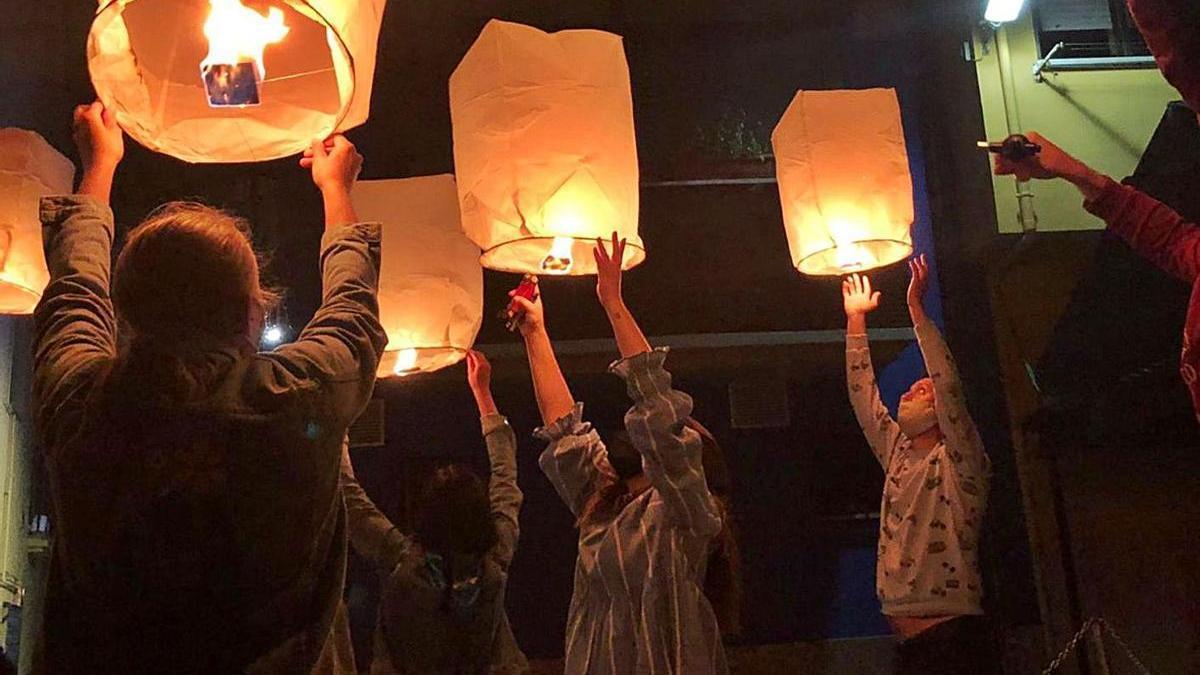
918,283
335,163
608,271
857,298
479,373
99,139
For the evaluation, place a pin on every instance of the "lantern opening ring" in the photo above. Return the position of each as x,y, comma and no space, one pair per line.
635,255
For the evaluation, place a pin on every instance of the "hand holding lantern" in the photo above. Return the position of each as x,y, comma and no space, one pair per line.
479,378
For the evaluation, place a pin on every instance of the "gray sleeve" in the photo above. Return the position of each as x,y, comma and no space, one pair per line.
76,328
503,491
338,352
371,533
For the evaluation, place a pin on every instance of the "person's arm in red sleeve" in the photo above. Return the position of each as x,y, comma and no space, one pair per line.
1171,29
1154,230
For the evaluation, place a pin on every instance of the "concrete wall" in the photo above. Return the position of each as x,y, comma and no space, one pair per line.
1105,117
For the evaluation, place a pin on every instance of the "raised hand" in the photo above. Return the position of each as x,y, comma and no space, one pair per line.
479,372
479,378
608,271
100,141
335,164
857,297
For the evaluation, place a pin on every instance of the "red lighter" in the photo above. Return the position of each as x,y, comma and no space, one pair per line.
528,289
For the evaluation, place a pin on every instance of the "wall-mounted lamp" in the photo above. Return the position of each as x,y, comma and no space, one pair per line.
1003,11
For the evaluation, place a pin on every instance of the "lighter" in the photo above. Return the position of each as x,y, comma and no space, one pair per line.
1014,148
528,289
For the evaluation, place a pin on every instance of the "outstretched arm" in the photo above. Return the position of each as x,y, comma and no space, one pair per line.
371,533
671,451
76,328
630,339
954,420
504,494
1151,228
881,431
338,352
549,386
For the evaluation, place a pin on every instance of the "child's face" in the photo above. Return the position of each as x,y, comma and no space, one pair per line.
920,392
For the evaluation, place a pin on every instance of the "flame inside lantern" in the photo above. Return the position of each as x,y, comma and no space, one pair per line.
559,260
406,362
237,37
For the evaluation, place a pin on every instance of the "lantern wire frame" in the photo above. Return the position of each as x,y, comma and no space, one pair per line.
513,256
883,252
342,66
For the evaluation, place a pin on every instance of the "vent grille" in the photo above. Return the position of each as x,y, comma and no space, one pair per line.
368,430
759,402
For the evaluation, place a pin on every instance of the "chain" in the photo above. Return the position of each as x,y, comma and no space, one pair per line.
1074,644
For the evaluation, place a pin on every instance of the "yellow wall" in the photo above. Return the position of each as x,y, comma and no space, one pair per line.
1104,117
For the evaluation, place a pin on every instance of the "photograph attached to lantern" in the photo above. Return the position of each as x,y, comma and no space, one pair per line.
844,181
430,283
29,170
544,148
234,80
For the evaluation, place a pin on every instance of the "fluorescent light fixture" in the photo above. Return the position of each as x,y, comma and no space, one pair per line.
1003,11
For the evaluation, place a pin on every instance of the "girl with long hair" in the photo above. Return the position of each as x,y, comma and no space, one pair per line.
442,606
647,519
198,522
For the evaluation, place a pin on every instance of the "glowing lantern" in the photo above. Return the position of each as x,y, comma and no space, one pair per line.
431,284
220,81
29,170
844,182
544,148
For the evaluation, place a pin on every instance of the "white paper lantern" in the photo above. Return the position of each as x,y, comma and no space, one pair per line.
149,60
844,181
431,284
29,170
544,148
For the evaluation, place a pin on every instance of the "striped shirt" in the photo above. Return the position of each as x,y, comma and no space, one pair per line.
933,503
638,603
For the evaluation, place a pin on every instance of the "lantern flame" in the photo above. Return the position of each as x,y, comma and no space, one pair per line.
559,260
406,362
237,34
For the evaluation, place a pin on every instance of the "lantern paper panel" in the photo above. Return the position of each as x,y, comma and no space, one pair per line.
430,284
304,71
844,181
544,148
29,170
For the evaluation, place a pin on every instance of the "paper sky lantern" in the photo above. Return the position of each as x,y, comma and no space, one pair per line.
220,81
29,170
544,148
843,180
431,284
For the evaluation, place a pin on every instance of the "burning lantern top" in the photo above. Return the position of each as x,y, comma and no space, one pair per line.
220,81
544,148
430,283
844,181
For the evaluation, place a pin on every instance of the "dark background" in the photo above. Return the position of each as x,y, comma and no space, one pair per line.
710,79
